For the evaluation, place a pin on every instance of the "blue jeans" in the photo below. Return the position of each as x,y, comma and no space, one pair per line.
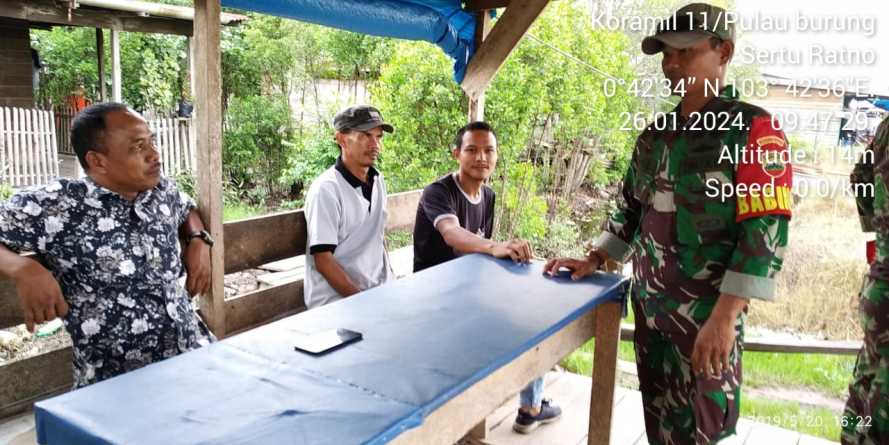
532,395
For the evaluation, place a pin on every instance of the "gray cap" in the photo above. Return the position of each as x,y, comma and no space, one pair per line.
688,26
361,118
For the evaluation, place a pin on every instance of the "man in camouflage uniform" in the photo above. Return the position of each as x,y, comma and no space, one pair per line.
865,420
698,256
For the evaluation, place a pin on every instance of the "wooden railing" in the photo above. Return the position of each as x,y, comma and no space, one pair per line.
249,243
765,345
27,147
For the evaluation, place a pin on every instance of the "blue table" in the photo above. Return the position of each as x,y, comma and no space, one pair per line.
442,348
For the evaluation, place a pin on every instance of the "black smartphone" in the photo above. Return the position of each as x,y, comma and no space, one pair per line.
325,341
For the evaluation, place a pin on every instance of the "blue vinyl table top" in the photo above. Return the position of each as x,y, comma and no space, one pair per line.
427,338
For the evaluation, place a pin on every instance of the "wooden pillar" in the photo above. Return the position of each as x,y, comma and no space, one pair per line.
100,54
482,28
208,122
604,372
116,94
189,55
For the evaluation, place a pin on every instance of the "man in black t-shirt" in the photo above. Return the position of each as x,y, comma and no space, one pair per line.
456,217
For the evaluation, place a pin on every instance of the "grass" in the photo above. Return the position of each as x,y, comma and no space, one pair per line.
817,290
399,238
239,210
825,374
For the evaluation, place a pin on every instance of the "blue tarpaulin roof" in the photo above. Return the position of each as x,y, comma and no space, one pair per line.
442,22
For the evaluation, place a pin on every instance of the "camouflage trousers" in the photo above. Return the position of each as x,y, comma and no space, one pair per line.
681,407
865,420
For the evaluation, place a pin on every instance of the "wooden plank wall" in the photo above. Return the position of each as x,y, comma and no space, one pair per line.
16,75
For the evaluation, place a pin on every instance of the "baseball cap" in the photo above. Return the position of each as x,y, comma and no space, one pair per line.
688,25
361,118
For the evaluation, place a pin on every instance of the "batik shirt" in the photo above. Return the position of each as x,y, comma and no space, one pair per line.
118,263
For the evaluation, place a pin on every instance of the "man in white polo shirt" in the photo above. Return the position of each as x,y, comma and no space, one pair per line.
346,213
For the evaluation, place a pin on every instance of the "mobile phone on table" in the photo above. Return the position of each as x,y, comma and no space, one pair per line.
325,341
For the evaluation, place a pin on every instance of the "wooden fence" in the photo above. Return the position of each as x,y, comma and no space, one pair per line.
175,142
28,153
63,117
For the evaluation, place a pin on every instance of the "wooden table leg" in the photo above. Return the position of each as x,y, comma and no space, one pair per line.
604,371
478,435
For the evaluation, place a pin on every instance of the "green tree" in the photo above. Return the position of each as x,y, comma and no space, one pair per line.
415,92
153,70
554,75
69,59
257,143
152,66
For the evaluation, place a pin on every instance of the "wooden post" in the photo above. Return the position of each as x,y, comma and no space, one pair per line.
482,28
100,53
189,55
208,121
479,433
116,94
503,38
604,372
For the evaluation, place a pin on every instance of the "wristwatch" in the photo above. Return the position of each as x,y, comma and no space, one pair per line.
203,235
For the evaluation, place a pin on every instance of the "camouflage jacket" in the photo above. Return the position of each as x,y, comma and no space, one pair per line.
869,179
686,242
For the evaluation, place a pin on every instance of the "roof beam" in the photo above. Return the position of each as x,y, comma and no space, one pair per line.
481,5
43,11
504,37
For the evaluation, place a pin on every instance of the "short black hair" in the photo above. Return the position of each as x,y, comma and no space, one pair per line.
88,125
472,126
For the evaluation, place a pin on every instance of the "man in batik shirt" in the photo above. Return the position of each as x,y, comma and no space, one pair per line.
110,248
704,215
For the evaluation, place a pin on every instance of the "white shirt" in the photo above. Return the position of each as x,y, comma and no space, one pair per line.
337,213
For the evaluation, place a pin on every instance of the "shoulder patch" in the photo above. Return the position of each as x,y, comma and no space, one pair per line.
765,174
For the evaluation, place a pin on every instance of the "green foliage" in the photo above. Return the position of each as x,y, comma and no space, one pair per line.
239,210
314,154
186,183
398,239
416,92
240,74
6,191
257,143
355,56
70,61
523,212
270,54
152,66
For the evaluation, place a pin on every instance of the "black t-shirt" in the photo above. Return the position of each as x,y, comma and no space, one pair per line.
444,199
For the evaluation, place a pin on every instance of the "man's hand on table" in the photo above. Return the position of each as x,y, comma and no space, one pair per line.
518,250
579,267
